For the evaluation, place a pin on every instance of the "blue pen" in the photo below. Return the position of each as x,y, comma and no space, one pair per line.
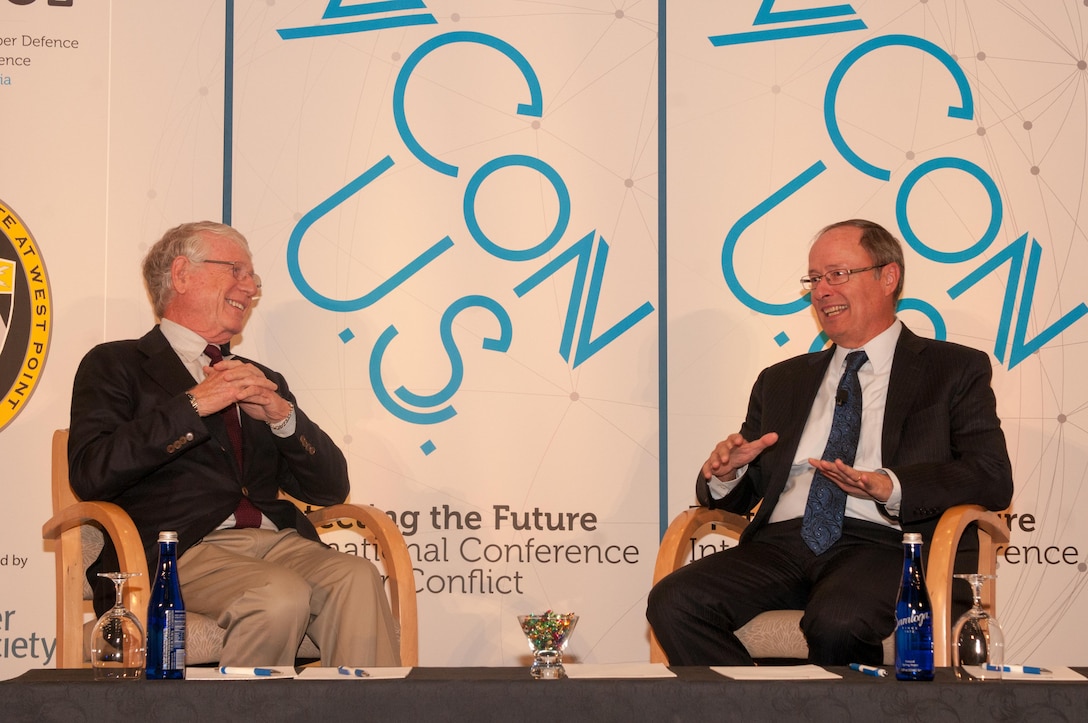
1027,669
869,670
262,672
357,672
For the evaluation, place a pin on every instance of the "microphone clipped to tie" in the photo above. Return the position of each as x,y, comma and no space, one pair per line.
841,397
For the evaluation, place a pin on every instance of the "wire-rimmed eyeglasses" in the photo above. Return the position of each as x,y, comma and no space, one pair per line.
238,270
834,278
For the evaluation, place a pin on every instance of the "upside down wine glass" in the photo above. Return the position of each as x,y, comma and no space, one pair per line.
977,639
117,642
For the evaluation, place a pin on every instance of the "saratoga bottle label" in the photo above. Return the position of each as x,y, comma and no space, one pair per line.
914,620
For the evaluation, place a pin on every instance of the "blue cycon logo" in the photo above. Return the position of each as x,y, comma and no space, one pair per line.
1012,344
583,334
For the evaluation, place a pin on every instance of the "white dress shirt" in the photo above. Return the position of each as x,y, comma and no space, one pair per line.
873,376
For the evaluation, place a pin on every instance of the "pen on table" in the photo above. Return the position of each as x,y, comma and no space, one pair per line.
357,672
262,672
869,670
1026,669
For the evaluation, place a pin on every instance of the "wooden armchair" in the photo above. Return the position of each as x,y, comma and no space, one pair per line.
77,530
777,633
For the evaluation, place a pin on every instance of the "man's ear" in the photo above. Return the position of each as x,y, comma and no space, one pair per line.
889,276
180,274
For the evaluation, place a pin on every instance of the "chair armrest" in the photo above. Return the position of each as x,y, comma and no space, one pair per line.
398,567
674,544
674,549
122,533
64,529
941,564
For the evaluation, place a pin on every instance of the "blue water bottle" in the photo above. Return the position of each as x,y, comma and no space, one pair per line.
913,617
166,615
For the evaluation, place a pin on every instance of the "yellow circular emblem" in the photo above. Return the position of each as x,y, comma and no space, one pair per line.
25,308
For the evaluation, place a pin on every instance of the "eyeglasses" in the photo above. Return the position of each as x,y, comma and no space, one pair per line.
834,278
240,272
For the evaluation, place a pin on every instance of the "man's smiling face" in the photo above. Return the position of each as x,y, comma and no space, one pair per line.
854,312
208,299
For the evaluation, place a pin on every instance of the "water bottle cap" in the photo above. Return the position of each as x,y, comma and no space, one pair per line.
168,536
912,538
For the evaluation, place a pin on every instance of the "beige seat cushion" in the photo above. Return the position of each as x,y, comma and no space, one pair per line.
777,634
203,641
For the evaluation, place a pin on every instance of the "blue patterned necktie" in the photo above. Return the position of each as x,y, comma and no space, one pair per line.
822,524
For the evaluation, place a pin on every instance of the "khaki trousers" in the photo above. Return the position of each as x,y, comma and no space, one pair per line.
268,588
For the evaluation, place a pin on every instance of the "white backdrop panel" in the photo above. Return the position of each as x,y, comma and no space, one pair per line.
754,170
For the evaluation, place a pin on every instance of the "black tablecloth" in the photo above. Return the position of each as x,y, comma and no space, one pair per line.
509,694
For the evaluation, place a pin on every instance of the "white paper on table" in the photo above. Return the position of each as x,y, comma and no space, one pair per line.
282,672
316,673
1056,673
775,672
617,670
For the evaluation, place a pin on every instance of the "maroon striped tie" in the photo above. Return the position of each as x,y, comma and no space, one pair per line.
246,515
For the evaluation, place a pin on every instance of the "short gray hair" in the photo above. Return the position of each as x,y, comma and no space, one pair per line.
185,240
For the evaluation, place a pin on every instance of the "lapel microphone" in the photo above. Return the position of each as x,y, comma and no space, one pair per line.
841,397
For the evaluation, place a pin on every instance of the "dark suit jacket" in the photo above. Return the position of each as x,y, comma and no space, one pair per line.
942,436
136,441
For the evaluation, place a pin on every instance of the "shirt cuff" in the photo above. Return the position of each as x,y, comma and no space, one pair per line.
719,488
288,427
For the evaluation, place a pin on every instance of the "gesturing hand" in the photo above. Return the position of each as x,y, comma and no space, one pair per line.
733,452
866,485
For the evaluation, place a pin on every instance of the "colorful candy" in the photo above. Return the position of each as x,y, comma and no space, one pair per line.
548,631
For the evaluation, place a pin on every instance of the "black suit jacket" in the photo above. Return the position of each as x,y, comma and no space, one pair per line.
942,436
135,440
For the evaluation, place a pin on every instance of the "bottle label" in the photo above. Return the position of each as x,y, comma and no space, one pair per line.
173,647
913,621
914,642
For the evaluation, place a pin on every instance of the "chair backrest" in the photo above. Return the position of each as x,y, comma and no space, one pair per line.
77,529
71,606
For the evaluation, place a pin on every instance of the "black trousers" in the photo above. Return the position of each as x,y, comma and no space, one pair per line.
848,595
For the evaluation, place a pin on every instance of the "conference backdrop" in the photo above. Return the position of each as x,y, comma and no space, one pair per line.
523,261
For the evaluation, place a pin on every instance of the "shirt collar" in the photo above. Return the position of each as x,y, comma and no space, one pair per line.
880,349
186,343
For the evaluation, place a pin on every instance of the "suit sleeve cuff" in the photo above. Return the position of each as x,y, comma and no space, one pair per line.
890,508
